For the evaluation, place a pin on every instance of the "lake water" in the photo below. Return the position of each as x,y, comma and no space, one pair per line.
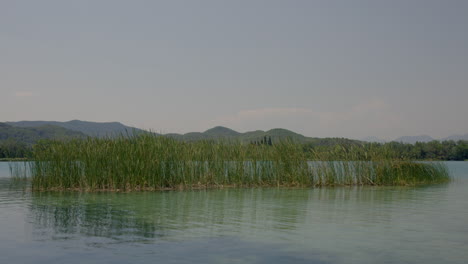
426,224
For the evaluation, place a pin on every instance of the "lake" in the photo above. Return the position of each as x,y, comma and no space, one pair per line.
424,224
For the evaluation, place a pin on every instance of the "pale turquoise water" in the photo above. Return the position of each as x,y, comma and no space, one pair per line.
427,224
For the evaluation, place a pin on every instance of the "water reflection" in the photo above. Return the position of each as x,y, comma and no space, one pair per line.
166,214
425,224
178,215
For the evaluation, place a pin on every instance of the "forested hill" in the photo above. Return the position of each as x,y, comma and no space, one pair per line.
16,141
93,129
112,129
30,135
17,138
275,135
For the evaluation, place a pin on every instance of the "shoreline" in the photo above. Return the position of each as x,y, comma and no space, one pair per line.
219,187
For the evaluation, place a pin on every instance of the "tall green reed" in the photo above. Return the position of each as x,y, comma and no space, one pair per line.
148,162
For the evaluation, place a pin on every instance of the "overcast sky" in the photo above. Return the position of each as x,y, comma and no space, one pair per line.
321,68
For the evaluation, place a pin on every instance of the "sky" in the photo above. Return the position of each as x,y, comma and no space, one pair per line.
320,68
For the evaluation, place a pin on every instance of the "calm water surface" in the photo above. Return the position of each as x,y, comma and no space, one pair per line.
427,224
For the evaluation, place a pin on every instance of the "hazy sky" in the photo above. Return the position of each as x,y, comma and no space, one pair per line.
320,68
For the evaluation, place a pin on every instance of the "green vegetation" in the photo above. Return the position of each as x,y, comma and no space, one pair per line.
226,134
17,142
11,149
30,135
148,162
92,129
433,150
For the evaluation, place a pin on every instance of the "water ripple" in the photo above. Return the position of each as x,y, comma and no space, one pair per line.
425,224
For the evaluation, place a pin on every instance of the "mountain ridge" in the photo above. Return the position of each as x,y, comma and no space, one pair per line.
93,129
457,137
30,135
414,139
113,129
220,132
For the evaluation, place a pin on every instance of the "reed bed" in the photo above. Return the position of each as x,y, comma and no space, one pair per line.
148,162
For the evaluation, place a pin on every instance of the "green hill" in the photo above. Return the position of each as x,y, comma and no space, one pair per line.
220,132
275,134
112,129
225,133
93,129
30,135
17,142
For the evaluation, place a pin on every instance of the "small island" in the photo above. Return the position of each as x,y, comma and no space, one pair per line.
149,162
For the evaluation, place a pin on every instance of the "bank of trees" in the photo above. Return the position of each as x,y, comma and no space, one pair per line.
434,150
264,141
12,149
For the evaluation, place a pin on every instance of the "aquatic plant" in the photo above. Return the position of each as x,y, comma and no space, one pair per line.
148,162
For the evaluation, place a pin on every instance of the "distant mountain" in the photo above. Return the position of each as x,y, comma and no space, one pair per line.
414,139
30,135
220,132
373,139
456,137
55,129
276,134
111,129
93,129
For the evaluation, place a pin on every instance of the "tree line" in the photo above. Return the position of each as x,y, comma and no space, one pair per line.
263,141
13,149
434,150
